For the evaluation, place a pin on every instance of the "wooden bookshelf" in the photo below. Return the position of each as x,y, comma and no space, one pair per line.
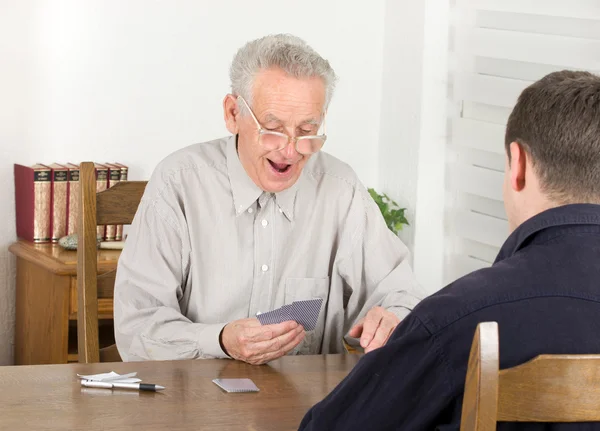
46,302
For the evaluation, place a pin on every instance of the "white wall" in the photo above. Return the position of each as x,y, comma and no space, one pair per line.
14,102
134,80
430,183
413,126
401,106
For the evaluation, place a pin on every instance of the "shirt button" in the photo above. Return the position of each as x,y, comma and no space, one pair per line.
264,268
264,223
250,210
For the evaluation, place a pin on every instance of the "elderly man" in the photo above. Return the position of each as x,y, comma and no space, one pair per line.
542,290
246,224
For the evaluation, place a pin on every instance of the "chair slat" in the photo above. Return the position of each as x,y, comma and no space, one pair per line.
106,284
551,388
118,204
548,388
87,265
481,385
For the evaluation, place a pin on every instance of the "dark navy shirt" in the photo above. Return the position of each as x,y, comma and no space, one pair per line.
544,292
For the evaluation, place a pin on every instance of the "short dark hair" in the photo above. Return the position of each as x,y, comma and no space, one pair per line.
557,122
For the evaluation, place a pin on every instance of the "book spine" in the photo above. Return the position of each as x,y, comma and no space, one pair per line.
73,201
114,177
101,185
42,189
24,201
59,204
119,234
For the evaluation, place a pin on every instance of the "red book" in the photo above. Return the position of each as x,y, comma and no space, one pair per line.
101,185
60,184
114,177
32,202
73,198
124,171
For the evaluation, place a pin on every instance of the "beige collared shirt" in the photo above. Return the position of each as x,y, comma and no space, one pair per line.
207,247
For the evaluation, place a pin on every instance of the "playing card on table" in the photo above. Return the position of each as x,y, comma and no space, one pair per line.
236,385
306,312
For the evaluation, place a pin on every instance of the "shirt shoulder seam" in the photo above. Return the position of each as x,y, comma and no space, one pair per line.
314,173
441,354
168,182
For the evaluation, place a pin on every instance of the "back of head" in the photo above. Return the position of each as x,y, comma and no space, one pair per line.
557,121
284,51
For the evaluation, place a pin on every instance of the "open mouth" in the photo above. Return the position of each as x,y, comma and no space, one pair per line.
280,167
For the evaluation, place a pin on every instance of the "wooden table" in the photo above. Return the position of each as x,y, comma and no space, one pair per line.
46,301
49,397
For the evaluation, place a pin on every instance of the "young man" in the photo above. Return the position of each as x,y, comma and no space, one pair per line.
543,289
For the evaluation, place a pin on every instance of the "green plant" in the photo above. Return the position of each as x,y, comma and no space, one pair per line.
391,211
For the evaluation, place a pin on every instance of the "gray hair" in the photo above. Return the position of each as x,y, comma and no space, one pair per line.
287,52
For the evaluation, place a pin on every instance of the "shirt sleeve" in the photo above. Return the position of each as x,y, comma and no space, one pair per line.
149,288
376,271
404,385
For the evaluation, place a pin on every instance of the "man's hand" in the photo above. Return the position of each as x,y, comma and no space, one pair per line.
249,341
375,328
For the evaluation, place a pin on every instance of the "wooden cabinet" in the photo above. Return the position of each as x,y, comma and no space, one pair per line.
46,302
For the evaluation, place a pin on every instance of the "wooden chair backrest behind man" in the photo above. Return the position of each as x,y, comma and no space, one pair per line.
549,388
116,205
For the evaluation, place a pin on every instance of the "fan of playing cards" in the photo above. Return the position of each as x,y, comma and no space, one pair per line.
306,313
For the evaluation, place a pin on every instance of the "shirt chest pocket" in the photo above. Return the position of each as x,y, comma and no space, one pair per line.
299,289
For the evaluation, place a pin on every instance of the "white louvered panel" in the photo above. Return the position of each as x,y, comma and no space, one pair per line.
484,159
514,69
479,135
498,48
478,250
481,228
487,113
480,181
541,24
478,204
571,52
560,8
490,90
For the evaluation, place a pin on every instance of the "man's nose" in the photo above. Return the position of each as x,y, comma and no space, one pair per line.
289,152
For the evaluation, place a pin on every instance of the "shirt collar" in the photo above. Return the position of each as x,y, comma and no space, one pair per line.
560,218
286,199
244,191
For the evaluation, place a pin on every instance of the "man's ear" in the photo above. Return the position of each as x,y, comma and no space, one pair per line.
230,113
518,166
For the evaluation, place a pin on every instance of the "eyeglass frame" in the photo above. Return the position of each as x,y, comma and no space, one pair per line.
294,139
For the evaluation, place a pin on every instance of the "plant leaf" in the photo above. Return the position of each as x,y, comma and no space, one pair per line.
393,215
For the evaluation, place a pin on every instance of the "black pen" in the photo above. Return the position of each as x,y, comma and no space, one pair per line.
108,385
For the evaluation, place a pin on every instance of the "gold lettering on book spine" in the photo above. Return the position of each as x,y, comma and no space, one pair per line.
41,211
101,185
119,235
114,177
59,206
73,201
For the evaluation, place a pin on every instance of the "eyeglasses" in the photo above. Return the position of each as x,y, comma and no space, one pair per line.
276,141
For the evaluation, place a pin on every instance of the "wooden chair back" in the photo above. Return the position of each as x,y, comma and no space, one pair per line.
549,388
117,205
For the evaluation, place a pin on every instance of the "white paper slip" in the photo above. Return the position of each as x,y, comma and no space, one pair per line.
111,377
